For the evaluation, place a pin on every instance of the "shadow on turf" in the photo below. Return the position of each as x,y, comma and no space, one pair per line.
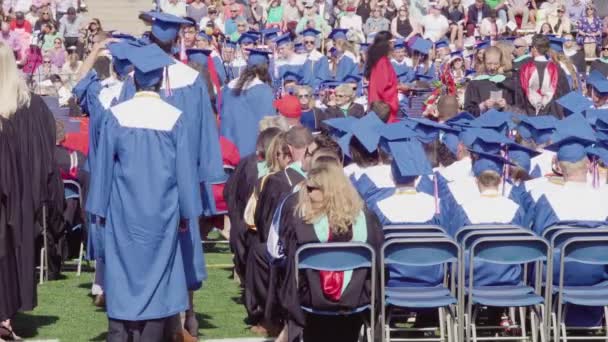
100,337
27,325
203,321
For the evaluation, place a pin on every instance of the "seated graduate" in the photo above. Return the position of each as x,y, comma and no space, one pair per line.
489,207
238,190
406,205
134,152
246,101
535,132
577,203
325,209
316,67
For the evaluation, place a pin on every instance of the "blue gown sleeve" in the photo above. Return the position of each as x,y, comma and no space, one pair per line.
459,220
87,91
187,180
322,72
211,167
520,217
544,215
102,175
345,67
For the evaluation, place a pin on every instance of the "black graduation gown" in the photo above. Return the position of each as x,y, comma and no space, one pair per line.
599,66
310,293
33,133
578,59
517,65
552,108
276,188
10,218
237,191
479,90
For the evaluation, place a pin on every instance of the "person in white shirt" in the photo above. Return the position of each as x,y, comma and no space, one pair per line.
175,7
434,24
213,17
352,22
62,6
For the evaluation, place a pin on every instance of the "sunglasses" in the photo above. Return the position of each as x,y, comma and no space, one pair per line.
309,42
605,48
311,188
341,95
234,11
240,25
304,96
57,43
47,62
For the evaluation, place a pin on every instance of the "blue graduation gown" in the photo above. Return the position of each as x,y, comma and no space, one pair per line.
295,65
315,69
189,94
490,209
577,204
240,115
347,65
401,69
411,207
235,68
88,92
143,183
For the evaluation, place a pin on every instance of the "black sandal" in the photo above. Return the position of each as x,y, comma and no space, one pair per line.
6,334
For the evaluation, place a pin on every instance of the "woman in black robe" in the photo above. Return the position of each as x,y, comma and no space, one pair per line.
237,192
28,141
325,209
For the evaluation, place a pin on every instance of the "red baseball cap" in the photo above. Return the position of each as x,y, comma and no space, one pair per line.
289,106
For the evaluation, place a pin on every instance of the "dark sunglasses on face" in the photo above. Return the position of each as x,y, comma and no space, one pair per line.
304,96
309,42
311,188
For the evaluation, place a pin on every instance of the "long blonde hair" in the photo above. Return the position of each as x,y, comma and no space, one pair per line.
278,146
14,92
342,203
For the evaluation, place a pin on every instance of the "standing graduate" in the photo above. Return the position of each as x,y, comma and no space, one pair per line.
246,101
542,81
137,150
480,94
30,180
399,60
316,67
345,62
325,209
382,78
204,42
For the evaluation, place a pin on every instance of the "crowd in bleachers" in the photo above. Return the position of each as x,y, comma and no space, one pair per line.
412,134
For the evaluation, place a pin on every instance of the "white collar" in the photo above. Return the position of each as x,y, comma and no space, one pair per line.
540,59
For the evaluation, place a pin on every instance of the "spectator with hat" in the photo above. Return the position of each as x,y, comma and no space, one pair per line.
290,108
20,24
62,7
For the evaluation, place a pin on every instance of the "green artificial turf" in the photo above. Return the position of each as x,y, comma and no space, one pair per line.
65,310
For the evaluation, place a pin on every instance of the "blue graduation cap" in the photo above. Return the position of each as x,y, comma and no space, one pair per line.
290,76
481,45
247,38
150,62
120,57
166,26
455,55
254,33
488,162
422,45
328,84
422,77
270,33
230,44
594,76
200,56
427,129
299,48
461,120
557,44
495,119
409,160
521,155
483,139
399,43
310,32
442,43
257,57
368,131
338,34
537,128
600,86
398,131
574,102
573,136
599,152
451,141
351,79
124,36
340,125
282,40
600,117
204,35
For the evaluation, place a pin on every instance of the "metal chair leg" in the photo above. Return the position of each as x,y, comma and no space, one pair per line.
45,265
522,318
441,324
533,327
41,274
80,257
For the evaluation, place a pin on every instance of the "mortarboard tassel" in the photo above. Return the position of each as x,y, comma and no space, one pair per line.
167,83
595,173
436,194
505,171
